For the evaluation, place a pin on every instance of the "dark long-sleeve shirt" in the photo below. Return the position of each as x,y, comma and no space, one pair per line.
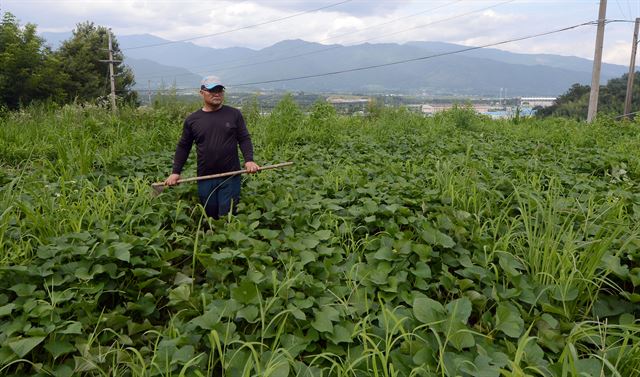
217,135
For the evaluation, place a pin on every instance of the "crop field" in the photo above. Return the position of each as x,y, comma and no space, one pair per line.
396,245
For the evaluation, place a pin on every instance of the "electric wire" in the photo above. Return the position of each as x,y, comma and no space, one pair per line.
356,42
516,39
240,28
321,41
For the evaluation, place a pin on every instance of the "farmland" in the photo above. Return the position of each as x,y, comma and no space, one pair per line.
397,245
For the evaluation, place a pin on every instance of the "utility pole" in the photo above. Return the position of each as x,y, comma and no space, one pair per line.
112,78
149,91
597,63
111,75
632,71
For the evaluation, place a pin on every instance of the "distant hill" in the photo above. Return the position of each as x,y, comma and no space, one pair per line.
478,72
154,76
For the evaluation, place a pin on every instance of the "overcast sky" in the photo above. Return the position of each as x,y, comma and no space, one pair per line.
467,22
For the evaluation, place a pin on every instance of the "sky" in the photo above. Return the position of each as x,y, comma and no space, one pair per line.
259,24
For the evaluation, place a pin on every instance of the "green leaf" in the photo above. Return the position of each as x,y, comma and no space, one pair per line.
434,237
23,346
324,319
323,235
281,369
63,371
268,233
180,294
340,334
74,327
208,319
59,347
508,320
23,290
307,256
183,354
250,313
245,293
6,309
422,270
322,323
120,250
510,264
237,236
460,310
427,310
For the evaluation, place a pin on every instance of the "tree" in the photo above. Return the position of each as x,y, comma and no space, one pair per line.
570,104
89,77
575,102
29,69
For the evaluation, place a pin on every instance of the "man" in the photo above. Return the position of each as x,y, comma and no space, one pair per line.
217,130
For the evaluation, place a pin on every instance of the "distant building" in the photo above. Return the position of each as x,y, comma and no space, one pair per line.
537,101
430,109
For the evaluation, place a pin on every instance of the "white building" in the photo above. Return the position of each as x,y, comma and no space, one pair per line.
537,101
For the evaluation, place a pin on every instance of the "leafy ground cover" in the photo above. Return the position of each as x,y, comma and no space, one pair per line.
396,246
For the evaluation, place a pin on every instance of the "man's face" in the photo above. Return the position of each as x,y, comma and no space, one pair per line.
213,97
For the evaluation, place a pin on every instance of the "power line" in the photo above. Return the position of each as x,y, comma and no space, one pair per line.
419,58
357,42
240,28
517,39
310,52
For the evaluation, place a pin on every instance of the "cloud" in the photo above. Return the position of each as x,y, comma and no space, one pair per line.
356,21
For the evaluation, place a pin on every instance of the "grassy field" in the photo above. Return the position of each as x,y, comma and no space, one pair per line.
397,245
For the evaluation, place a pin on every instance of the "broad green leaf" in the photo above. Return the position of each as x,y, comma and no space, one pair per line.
428,311
246,292
385,253
63,371
434,237
183,354
72,328
324,319
323,235
208,319
250,313
322,323
422,270
23,290
268,233
6,309
460,337
180,294
510,264
24,345
460,310
280,369
310,241
341,334
237,236
508,320
59,347
307,256
121,251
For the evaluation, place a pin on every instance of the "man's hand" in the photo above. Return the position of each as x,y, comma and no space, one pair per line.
172,180
251,167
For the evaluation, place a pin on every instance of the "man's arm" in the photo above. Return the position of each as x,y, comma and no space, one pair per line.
182,153
246,146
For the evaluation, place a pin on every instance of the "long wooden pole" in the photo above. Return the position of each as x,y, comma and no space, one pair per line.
632,71
221,175
111,76
597,63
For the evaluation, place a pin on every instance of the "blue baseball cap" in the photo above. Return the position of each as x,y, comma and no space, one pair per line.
210,82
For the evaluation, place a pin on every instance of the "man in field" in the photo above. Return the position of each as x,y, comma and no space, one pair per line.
217,130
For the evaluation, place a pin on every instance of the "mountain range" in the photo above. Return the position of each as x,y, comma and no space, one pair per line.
432,68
